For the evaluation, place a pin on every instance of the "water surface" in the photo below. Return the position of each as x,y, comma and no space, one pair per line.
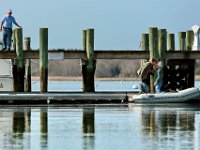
97,127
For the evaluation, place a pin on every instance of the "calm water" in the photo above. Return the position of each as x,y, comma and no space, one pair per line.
99,85
100,127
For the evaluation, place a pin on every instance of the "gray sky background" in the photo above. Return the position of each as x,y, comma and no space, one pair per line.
118,24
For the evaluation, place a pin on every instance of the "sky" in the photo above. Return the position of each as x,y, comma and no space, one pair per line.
118,24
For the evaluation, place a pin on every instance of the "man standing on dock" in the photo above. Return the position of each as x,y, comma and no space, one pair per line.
6,25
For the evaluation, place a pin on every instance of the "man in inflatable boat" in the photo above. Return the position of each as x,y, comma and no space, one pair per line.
148,69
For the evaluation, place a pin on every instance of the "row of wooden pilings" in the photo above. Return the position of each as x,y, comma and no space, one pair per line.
155,42
22,69
19,71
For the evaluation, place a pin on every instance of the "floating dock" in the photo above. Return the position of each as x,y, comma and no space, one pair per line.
64,97
68,98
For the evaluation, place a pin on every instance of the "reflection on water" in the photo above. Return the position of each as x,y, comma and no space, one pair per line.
88,128
126,126
43,128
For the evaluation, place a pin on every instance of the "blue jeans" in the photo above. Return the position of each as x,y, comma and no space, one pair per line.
7,34
158,87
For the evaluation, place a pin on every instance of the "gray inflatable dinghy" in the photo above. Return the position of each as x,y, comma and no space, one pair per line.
178,97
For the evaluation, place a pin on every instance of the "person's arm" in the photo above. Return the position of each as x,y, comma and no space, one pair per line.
16,23
1,26
2,22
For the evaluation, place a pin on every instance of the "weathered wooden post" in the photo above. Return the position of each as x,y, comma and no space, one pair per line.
84,63
186,77
153,51
191,65
14,66
189,40
162,44
182,44
19,60
168,71
162,47
171,42
144,45
14,40
145,42
27,41
43,59
90,60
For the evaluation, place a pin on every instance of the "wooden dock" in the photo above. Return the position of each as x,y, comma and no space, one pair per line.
64,97
179,66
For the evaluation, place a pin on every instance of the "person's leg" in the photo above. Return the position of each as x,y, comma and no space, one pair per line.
158,87
9,36
4,40
144,87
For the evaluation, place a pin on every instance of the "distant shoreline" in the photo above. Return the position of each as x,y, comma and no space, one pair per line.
62,78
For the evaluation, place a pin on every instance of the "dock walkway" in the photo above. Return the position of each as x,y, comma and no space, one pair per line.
64,97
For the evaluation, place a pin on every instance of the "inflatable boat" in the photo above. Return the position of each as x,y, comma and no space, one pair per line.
178,97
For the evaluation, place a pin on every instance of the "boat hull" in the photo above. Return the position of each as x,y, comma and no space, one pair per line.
178,97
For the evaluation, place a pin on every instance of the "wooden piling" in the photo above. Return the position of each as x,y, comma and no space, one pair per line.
13,40
189,40
182,42
90,60
153,42
162,44
27,41
171,42
144,45
191,65
145,42
14,66
162,47
84,63
43,59
153,50
19,60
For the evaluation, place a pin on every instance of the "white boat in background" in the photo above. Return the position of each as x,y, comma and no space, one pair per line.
178,97
6,78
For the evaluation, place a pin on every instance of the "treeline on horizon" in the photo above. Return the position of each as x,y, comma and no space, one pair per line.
104,68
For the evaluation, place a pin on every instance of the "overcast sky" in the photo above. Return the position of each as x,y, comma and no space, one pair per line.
118,24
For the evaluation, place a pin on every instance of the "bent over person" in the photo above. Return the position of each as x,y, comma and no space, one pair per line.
6,26
144,72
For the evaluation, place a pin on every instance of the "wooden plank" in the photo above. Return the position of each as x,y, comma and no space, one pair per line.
106,54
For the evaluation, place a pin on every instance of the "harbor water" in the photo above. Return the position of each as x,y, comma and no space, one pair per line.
100,126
